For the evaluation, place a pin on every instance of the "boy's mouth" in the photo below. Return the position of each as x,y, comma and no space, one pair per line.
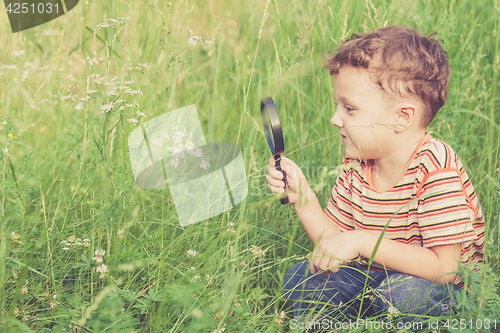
344,138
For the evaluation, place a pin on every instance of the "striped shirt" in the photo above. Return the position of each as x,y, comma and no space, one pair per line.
433,204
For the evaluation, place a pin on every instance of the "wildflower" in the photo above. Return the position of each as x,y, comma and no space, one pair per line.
204,165
107,107
120,234
79,106
102,269
18,53
187,30
5,150
92,91
222,329
53,303
280,319
99,254
4,122
230,229
257,250
209,42
132,120
24,290
237,303
8,67
86,242
65,248
191,253
196,152
392,312
193,41
11,135
196,277
141,114
97,78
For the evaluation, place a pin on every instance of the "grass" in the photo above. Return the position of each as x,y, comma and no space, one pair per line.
66,175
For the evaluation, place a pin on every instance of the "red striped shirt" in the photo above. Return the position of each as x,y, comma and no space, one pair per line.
433,204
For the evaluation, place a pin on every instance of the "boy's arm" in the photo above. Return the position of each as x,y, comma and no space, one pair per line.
314,220
437,263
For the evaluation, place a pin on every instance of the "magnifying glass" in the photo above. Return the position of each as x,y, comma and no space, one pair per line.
274,134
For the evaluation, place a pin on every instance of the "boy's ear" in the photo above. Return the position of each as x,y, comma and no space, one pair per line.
407,115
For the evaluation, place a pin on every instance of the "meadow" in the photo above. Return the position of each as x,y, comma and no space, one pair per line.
84,249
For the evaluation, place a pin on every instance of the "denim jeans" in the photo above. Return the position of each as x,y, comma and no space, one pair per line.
338,295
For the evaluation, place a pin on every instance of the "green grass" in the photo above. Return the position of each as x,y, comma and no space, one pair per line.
67,174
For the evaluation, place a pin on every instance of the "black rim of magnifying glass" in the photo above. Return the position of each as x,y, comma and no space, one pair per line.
270,115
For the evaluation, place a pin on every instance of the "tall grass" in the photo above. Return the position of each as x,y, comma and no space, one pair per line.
66,179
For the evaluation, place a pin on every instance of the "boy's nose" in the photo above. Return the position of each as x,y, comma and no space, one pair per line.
336,121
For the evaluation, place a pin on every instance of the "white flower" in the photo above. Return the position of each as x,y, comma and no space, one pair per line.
132,120
257,251
99,254
209,42
107,107
189,145
204,165
5,150
79,106
92,91
18,53
193,41
8,67
102,269
141,114
280,319
196,277
97,78
230,229
4,122
222,329
196,152
65,248
191,253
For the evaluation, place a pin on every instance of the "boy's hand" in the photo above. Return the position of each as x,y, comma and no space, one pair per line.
295,179
337,250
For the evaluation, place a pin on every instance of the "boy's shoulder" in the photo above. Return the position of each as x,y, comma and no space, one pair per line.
435,155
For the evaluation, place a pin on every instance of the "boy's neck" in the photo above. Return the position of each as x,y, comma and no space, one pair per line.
388,171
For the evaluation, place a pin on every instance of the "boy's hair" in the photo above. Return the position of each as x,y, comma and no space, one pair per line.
401,60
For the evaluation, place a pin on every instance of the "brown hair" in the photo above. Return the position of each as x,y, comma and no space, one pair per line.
402,60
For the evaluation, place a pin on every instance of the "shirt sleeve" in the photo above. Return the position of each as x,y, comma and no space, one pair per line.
339,205
443,215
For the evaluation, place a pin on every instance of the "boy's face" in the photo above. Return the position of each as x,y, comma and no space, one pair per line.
363,115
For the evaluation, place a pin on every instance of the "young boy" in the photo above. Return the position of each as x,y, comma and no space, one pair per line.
388,85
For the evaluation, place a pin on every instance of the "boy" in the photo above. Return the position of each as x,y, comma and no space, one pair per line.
389,85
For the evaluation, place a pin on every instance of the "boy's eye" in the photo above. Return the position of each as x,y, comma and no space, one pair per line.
348,108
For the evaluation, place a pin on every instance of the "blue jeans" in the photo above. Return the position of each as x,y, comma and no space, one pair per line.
338,295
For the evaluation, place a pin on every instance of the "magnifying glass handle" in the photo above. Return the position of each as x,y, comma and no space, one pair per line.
277,159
